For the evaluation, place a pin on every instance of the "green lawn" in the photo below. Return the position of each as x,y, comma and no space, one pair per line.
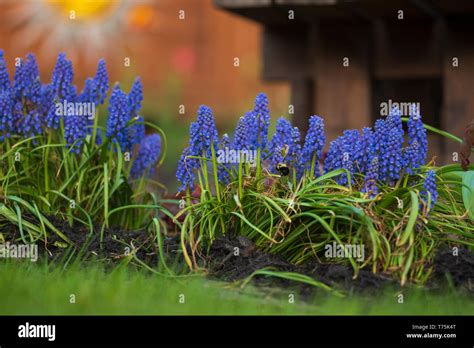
34,289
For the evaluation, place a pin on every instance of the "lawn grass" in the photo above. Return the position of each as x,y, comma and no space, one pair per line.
36,289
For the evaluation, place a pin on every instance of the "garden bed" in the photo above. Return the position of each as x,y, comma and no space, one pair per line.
83,188
222,264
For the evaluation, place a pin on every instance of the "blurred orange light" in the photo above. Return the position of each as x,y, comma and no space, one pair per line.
141,17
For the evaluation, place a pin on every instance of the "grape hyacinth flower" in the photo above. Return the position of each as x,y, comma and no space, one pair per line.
135,97
46,101
89,92
314,143
353,147
75,131
278,154
30,125
370,181
262,117
430,189
281,142
95,89
224,168
411,155
417,134
333,159
206,137
195,144
246,133
138,129
251,121
203,137
391,157
4,78
15,120
147,157
185,172
366,146
379,135
241,141
62,89
26,83
391,147
119,116
294,153
394,119
7,120
21,105
101,81
63,76
349,155
77,127
282,134
340,156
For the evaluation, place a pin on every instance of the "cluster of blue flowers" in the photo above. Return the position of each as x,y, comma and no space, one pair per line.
223,171
377,154
415,154
280,144
251,134
429,192
185,173
19,101
203,141
356,152
148,156
370,181
124,126
260,122
314,143
29,108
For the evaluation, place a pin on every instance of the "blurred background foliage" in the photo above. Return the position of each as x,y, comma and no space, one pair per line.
186,61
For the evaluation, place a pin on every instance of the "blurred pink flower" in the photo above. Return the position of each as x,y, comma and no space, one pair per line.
184,59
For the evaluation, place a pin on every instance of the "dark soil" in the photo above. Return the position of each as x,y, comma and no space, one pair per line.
449,270
455,269
116,243
224,265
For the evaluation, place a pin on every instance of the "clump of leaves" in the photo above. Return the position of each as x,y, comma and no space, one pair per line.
57,160
373,189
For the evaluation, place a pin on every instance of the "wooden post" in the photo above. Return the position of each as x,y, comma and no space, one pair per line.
302,93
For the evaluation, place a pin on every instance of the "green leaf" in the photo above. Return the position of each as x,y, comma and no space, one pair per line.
61,245
438,131
409,229
468,192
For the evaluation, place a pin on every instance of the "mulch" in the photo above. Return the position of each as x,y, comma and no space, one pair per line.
222,264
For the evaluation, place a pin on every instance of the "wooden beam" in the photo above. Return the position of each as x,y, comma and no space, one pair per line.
408,50
285,53
308,2
427,8
230,4
302,94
